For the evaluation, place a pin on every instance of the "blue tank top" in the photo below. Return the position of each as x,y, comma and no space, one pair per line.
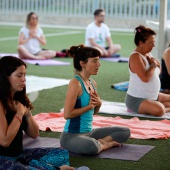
82,123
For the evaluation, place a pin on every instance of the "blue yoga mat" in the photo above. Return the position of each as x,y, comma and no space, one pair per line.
121,86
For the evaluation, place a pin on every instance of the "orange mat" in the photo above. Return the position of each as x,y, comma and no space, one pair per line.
140,129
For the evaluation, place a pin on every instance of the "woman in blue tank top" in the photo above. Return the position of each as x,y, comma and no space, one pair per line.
82,101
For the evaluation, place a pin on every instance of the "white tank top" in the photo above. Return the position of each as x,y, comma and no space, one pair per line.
140,89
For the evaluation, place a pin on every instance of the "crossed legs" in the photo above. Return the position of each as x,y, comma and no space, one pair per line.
96,141
42,55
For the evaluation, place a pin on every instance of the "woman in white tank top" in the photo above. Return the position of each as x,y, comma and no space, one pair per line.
31,38
143,94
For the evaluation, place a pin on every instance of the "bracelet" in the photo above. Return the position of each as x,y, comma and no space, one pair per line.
20,120
28,114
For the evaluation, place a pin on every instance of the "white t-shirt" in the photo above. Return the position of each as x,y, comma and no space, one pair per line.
33,45
98,33
140,89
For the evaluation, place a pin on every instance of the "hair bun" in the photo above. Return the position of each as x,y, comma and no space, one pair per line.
72,51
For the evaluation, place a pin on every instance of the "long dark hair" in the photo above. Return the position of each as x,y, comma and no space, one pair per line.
82,53
8,65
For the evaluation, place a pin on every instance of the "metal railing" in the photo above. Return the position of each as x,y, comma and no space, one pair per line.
129,9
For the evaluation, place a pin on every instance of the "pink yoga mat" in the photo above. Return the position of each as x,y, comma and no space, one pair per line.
50,62
140,129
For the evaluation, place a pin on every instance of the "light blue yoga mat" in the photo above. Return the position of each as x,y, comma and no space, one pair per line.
117,108
123,86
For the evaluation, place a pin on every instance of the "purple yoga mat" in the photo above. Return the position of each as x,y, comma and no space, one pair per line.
129,152
49,62
120,59
40,142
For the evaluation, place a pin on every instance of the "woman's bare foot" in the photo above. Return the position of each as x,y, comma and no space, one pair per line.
106,145
66,167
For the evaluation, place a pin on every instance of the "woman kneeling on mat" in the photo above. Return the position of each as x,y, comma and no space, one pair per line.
15,116
82,101
143,94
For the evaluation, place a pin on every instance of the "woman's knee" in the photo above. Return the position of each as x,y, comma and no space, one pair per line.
125,134
122,134
93,147
87,147
159,111
19,48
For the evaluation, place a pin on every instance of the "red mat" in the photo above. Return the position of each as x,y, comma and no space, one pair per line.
140,129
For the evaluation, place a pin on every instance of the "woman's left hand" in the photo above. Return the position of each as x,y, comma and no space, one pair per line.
95,98
153,60
158,64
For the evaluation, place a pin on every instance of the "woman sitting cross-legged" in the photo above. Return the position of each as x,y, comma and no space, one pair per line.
82,102
31,37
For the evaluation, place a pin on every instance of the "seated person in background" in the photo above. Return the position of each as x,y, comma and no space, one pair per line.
143,94
31,37
16,117
82,102
97,33
165,72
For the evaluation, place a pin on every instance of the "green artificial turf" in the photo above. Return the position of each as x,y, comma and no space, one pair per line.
52,100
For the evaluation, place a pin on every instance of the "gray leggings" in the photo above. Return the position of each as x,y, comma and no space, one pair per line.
87,143
133,103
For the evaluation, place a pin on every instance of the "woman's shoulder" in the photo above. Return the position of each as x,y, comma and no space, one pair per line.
135,55
74,81
74,85
135,58
23,29
166,54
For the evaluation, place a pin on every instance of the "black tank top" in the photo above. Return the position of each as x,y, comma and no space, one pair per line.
164,76
16,146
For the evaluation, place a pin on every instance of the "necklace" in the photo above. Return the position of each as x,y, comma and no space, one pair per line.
85,81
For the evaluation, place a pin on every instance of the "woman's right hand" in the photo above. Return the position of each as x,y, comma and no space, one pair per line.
20,108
